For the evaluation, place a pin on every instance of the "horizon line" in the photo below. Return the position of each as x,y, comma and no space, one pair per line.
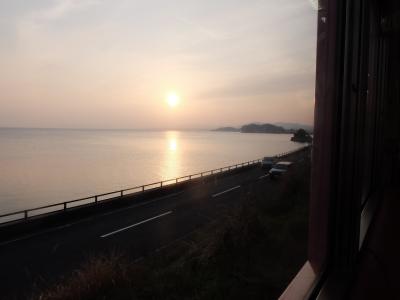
153,129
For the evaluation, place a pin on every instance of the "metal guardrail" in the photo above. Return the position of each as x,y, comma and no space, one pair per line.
64,206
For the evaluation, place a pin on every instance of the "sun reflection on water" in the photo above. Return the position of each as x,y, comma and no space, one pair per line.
172,153
172,145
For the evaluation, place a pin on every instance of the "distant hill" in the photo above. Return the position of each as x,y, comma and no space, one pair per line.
262,128
227,129
268,128
295,126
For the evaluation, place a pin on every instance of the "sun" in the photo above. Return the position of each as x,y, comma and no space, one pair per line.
173,99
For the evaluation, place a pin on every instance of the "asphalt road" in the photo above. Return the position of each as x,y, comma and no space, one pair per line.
140,229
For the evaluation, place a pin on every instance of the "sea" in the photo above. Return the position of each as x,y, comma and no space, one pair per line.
46,166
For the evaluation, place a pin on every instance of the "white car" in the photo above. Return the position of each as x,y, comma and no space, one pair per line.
279,168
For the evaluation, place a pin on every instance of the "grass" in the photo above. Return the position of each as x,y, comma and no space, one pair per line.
252,252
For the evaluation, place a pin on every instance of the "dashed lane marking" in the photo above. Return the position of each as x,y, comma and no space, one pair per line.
136,224
226,191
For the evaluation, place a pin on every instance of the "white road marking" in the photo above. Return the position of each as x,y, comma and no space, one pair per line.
142,204
26,237
105,214
136,224
264,176
227,191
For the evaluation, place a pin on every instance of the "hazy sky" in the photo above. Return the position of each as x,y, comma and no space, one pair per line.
110,63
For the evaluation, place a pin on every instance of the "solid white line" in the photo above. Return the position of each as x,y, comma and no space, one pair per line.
142,204
264,176
87,219
227,191
134,225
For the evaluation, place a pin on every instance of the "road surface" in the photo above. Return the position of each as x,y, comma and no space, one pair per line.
139,229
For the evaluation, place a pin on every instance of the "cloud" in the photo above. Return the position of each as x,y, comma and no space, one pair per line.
262,85
203,30
60,9
116,55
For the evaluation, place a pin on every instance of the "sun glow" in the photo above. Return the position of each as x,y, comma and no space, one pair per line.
173,145
173,99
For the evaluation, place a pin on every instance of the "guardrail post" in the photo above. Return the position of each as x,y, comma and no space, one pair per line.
202,174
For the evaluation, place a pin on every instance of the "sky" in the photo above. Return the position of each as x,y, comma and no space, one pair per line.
111,64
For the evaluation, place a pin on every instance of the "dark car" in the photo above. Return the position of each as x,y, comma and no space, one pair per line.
267,163
279,168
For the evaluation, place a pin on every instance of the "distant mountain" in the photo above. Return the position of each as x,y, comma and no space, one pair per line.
262,128
227,129
295,126
268,128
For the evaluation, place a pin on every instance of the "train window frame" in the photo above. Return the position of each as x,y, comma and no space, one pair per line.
350,71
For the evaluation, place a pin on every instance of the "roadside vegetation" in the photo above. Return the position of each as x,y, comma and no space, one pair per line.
252,252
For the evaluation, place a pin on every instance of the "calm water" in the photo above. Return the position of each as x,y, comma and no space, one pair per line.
41,166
